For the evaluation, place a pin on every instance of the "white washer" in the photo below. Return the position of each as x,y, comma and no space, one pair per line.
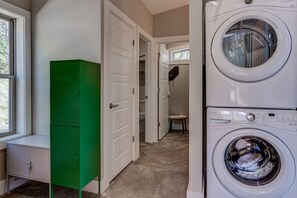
251,53
251,153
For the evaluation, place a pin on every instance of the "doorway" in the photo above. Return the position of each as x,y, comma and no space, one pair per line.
173,87
143,89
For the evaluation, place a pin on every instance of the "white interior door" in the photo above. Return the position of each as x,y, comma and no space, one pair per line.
164,91
121,59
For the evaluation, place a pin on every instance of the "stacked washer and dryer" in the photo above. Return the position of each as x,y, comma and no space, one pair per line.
251,98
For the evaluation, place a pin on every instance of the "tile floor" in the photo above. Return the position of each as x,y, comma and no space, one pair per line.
160,172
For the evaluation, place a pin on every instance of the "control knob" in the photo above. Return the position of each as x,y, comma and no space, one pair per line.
250,117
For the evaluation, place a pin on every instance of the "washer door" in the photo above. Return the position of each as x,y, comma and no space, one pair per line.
253,163
251,46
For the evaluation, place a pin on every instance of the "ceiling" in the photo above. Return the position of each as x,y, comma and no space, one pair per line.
158,6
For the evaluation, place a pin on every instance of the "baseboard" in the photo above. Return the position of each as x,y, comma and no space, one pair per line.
194,192
92,187
191,194
104,185
2,187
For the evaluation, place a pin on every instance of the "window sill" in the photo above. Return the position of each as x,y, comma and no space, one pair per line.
3,140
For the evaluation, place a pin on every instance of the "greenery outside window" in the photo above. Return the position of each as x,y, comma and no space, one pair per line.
7,77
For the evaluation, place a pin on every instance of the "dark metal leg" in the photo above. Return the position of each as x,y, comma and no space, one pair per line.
51,191
185,120
170,128
182,120
80,193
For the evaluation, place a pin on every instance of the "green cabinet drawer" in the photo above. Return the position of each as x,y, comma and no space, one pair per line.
65,92
65,159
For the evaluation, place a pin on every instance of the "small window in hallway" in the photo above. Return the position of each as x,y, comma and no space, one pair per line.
181,55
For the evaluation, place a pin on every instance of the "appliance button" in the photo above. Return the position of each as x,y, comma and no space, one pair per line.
250,117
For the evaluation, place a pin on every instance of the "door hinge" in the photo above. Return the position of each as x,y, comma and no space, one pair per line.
159,89
133,91
159,124
133,43
133,139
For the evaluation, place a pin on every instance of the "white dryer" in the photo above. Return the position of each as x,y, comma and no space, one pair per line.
251,153
251,53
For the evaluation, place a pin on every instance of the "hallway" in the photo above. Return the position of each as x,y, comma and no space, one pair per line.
160,172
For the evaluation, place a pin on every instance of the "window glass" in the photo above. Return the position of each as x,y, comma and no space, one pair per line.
252,161
181,55
4,105
250,43
6,76
4,47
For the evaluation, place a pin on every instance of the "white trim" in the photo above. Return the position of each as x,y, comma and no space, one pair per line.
149,84
9,138
3,187
158,41
172,39
92,187
192,194
23,65
105,135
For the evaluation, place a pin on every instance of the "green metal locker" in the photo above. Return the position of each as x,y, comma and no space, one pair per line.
75,123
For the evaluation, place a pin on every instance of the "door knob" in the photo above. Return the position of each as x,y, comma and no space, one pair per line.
29,165
111,105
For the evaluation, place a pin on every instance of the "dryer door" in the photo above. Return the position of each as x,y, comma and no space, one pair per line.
253,163
251,46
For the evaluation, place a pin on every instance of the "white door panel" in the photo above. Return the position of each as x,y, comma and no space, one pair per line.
121,57
164,91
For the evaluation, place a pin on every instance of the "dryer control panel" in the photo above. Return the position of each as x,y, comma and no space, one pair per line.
286,120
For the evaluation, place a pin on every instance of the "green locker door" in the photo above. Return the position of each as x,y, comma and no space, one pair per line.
65,156
65,91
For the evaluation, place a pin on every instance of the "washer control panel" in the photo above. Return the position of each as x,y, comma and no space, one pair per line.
281,119
215,8
273,3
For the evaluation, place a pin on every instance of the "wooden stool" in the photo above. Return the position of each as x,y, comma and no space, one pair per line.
183,119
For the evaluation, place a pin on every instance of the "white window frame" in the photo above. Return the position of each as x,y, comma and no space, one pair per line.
22,60
178,49
10,76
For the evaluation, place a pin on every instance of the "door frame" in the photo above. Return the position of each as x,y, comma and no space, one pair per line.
107,8
149,86
155,74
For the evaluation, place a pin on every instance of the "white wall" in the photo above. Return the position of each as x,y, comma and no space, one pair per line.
195,188
67,29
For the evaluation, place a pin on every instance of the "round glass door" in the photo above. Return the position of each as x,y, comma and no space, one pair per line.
252,161
251,46
249,43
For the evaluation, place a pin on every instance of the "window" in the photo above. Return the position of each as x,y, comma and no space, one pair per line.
7,77
15,73
181,55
